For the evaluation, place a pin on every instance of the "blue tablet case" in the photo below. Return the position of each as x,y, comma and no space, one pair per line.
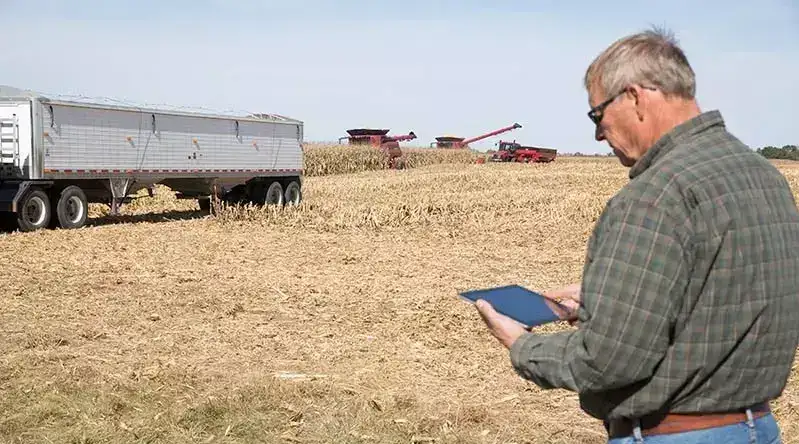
516,302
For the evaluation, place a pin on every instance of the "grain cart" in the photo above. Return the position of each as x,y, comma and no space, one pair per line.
515,152
59,155
380,139
460,142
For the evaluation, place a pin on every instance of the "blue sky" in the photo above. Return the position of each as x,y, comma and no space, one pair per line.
435,67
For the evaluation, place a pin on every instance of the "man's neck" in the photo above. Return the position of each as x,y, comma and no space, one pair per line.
673,113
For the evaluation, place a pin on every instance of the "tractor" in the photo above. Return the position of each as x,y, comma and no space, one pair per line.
515,152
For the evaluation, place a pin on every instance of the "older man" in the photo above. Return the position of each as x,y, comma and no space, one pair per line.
688,309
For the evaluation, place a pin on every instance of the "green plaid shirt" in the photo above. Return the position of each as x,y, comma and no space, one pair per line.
690,290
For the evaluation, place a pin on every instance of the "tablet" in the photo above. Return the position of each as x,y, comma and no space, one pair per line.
525,306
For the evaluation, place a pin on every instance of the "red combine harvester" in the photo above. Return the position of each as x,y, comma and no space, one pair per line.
378,138
460,142
515,152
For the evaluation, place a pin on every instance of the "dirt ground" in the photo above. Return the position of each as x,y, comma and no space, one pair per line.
334,322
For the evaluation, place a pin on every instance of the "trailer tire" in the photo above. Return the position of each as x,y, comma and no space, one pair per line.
72,208
274,194
293,194
34,211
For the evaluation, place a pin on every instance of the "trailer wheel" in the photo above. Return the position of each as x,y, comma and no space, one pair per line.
293,194
274,194
72,208
34,211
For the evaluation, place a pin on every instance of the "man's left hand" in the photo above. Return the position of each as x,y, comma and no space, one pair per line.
505,329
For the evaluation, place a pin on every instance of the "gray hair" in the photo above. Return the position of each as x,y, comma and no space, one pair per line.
649,58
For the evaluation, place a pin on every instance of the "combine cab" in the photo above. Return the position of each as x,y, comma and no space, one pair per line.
460,142
515,152
378,138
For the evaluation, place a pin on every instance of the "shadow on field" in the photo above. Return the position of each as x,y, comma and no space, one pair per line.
9,225
166,216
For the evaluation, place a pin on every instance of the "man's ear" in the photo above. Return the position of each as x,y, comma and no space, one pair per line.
639,100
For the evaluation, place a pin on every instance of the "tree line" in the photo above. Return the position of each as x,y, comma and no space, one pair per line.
788,152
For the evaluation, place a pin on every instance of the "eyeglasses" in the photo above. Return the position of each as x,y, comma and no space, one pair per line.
596,113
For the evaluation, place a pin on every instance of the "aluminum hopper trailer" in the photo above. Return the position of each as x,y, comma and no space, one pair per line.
56,156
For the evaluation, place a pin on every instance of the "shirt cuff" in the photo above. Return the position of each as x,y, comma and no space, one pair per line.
542,359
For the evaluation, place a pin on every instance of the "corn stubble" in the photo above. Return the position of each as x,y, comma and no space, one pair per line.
334,321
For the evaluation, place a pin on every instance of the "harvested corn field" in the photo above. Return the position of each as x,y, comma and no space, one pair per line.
335,321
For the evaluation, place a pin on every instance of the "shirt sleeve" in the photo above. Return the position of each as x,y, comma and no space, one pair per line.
632,282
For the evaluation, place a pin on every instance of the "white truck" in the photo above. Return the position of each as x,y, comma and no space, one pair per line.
58,155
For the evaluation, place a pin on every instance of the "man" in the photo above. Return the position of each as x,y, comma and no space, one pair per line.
688,310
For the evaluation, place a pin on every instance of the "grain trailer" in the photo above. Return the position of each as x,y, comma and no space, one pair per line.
56,156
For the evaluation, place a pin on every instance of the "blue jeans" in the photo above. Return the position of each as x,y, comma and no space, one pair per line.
763,430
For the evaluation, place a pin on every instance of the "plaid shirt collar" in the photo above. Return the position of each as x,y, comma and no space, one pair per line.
687,129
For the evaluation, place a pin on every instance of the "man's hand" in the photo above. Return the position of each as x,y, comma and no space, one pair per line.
569,297
505,329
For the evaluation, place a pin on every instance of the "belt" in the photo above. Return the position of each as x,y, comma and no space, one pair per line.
682,422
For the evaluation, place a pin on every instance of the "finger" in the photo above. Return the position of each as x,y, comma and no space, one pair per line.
559,308
490,317
486,311
570,305
560,311
554,295
570,292
561,298
497,322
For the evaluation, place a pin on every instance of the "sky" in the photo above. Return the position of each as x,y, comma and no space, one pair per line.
459,67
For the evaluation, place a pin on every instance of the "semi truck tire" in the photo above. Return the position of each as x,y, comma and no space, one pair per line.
293,194
34,211
274,194
72,208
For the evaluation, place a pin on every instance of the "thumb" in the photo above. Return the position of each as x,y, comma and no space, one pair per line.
485,309
570,304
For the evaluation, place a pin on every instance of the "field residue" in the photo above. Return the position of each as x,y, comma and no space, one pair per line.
335,321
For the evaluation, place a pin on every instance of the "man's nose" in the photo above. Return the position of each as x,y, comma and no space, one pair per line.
599,135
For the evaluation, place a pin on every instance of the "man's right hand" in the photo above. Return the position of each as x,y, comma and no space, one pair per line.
569,298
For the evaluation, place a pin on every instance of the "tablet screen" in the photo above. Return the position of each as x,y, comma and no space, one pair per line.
523,305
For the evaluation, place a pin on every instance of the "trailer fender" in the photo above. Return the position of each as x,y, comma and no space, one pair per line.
11,193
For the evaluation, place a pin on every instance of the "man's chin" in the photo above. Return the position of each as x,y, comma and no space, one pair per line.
625,161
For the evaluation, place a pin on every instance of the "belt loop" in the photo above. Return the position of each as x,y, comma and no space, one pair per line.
639,438
750,421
